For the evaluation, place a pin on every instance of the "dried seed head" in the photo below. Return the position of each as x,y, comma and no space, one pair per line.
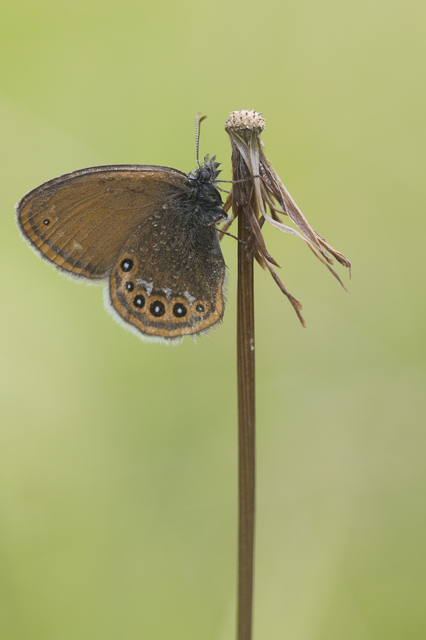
258,188
245,120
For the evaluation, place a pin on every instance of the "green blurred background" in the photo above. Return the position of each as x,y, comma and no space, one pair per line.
118,458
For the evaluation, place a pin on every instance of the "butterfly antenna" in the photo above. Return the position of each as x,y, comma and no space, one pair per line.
198,122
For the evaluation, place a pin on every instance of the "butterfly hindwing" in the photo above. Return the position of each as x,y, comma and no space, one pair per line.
169,278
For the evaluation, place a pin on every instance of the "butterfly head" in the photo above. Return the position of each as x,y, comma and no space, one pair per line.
202,182
207,173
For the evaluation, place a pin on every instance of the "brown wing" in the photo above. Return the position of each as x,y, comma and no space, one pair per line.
81,220
167,282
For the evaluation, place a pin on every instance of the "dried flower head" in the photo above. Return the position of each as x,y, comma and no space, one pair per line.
257,188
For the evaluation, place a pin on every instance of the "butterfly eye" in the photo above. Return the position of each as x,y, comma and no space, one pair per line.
127,264
179,310
139,301
157,308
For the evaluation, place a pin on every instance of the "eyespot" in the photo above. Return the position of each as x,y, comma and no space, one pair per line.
179,310
126,264
46,221
129,286
199,308
139,301
157,308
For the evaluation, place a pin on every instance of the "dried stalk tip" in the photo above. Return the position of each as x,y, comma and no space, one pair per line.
245,120
257,188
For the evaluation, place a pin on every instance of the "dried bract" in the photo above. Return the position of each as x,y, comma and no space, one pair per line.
258,189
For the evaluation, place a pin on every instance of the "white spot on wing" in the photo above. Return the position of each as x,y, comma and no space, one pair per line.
167,292
188,296
147,285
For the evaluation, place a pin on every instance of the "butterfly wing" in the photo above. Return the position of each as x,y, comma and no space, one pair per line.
81,220
168,280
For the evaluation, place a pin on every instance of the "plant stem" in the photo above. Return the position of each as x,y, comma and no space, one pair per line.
257,187
246,422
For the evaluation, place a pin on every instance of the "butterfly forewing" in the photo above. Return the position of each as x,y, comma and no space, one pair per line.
80,221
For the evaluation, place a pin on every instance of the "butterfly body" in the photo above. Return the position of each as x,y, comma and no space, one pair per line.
149,230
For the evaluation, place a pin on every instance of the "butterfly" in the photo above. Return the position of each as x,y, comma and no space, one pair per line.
149,231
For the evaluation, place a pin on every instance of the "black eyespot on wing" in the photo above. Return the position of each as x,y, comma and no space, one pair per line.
139,301
126,264
179,310
199,308
129,286
157,308
46,221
